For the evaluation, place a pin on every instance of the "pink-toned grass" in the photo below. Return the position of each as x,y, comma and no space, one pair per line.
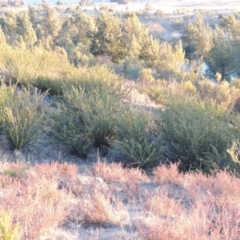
213,213
128,178
170,205
37,205
162,206
35,199
99,209
168,174
116,172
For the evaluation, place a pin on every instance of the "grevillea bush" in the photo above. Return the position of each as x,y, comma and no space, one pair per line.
198,134
139,138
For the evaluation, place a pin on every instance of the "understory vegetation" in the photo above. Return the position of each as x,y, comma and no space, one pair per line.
101,84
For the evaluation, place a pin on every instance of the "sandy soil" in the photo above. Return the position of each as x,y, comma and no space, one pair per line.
170,6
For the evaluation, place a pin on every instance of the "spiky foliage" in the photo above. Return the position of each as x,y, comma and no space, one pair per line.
23,116
26,65
89,111
198,134
6,97
69,130
138,138
8,230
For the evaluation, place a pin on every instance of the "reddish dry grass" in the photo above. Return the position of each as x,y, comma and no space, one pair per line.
213,214
129,178
37,206
164,174
99,209
35,199
180,206
163,206
116,172
60,170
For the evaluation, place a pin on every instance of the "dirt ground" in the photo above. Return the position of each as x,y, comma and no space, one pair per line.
171,6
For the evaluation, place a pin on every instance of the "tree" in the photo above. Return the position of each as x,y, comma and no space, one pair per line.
134,34
159,13
231,25
220,57
197,38
197,41
148,7
108,38
76,30
83,24
8,23
121,1
150,52
2,36
33,16
50,24
171,59
25,29
84,3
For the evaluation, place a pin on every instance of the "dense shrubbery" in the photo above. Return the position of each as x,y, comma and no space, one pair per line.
90,111
86,64
96,78
23,117
198,134
76,63
25,66
138,138
21,114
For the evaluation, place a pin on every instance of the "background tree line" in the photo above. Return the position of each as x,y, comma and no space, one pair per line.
125,40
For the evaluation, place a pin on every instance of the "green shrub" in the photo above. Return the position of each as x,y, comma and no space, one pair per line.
99,79
223,93
145,76
91,79
8,230
87,117
156,93
198,134
25,66
53,85
132,68
6,97
138,138
189,88
23,116
236,106
69,129
15,172
177,23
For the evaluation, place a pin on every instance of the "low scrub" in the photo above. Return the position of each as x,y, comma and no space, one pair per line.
87,118
25,66
198,134
138,138
6,97
8,230
21,113
223,93
91,79
23,117
98,209
71,132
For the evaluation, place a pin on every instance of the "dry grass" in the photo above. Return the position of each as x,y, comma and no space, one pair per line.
100,209
51,201
162,206
164,174
116,172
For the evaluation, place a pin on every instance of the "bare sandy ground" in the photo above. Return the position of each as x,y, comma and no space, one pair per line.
171,6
